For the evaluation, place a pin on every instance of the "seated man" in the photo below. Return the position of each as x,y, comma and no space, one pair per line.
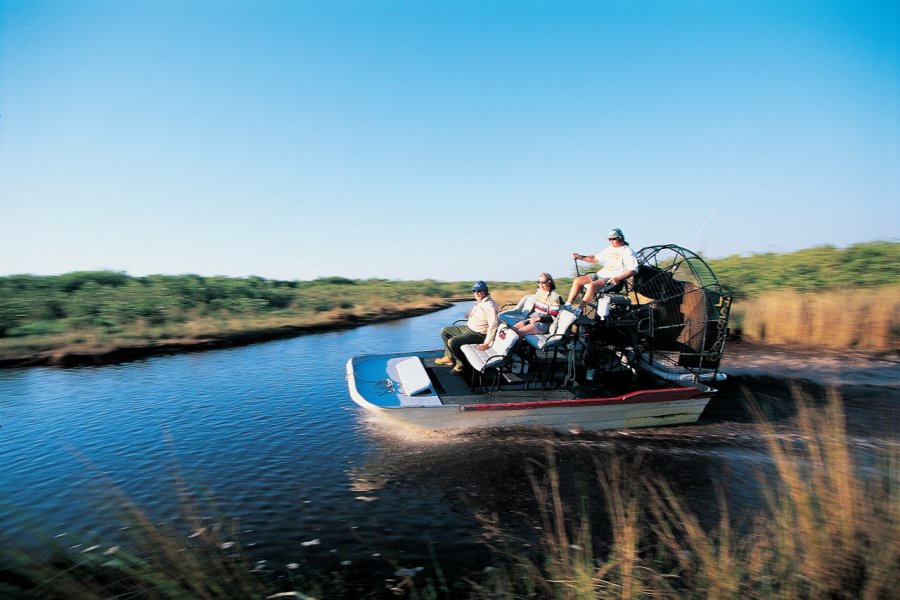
480,328
619,262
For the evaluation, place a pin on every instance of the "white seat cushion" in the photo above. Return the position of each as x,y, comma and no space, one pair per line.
537,340
562,323
495,354
505,340
480,359
413,376
560,326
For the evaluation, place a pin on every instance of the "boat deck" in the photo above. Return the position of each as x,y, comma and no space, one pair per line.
456,389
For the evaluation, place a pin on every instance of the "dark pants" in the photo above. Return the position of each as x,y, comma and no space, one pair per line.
455,337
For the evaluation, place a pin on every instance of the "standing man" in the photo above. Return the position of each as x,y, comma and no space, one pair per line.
480,328
619,263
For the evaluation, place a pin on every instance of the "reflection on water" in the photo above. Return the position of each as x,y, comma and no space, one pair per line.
270,433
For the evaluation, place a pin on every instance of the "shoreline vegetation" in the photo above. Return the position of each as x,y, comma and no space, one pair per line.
819,297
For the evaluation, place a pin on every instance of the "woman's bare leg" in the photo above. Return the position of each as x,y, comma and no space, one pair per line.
526,328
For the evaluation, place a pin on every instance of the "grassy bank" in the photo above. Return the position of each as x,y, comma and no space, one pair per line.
89,316
97,317
826,527
818,297
89,345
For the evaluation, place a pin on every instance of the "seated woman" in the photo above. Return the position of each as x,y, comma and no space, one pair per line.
546,306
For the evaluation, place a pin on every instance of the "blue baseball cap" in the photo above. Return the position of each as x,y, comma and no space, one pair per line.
479,286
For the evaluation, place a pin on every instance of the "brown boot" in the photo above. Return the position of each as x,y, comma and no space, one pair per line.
444,361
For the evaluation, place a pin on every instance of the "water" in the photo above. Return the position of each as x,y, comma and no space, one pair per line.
269,432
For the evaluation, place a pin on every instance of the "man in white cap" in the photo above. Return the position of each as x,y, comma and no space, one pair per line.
619,262
480,328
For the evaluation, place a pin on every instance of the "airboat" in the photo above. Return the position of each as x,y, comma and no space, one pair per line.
644,355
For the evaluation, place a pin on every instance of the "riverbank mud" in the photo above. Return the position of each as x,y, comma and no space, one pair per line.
772,379
826,366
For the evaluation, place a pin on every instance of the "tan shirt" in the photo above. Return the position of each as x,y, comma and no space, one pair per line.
483,318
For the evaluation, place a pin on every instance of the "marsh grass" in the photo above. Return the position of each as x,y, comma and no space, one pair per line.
510,294
194,555
865,319
828,528
159,563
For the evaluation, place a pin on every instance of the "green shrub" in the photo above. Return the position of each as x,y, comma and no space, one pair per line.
38,328
322,305
871,264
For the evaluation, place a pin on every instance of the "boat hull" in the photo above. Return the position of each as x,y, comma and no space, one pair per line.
375,386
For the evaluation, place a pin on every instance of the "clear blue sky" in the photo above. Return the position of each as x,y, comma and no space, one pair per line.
450,140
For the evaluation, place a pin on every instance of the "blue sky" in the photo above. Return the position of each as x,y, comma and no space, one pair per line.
446,140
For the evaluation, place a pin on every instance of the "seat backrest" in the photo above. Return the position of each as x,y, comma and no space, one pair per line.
495,356
562,324
505,340
526,304
558,333
521,311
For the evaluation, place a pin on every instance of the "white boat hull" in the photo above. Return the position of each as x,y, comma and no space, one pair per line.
374,385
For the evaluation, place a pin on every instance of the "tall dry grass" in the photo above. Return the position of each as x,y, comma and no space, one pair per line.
832,531
828,528
865,319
